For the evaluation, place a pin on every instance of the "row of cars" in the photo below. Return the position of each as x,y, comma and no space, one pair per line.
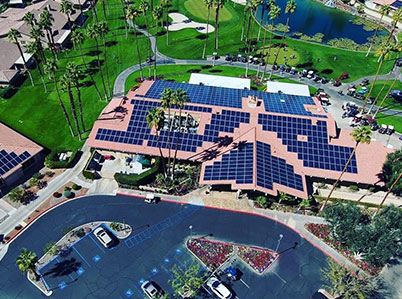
240,58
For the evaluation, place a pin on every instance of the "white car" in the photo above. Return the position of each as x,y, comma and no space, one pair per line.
103,237
219,288
149,288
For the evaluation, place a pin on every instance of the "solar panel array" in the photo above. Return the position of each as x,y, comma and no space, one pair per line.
10,160
272,169
229,97
315,152
397,4
237,165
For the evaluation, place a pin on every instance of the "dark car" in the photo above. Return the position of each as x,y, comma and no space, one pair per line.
398,62
344,76
228,57
324,80
365,82
234,58
337,83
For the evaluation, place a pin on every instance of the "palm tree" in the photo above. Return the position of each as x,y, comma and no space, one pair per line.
180,97
104,10
92,32
245,12
218,4
156,14
396,17
144,7
290,9
78,38
29,19
166,3
208,4
166,102
66,7
33,48
274,13
37,34
26,262
155,119
123,7
360,135
388,192
13,36
46,21
103,30
66,83
384,98
383,52
254,6
384,11
74,73
50,70
131,14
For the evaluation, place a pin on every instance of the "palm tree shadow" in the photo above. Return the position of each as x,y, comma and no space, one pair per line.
64,268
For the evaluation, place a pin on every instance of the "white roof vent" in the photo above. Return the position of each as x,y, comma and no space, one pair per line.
283,101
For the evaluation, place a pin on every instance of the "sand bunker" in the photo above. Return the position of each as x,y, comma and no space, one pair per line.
180,21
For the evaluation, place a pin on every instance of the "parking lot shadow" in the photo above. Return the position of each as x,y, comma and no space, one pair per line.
63,268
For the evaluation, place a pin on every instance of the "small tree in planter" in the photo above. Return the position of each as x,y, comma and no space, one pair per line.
76,187
26,262
116,226
56,194
262,201
68,194
33,182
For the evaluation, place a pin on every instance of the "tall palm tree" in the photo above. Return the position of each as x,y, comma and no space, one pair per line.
166,4
144,7
383,52
26,262
36,34
179,99
290,9
13,37
360,135
388,192
104,10
245,13
92,32
66,83
74,73
66,7
166,102
131,14
33,48
29,19
156,15
155,119
254,5
384,11
50,70
124,8
94,11
103,30
274,13
78,38
46,22
208,4
385,97
396,17
218,4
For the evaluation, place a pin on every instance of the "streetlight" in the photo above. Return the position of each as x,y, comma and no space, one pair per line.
191,230
279,242
214,58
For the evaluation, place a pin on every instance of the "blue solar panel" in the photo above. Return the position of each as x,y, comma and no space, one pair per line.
397,4
315,152
229,97
236,165
9,160
272,169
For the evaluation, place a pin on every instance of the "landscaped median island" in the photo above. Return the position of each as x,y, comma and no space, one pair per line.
54,249
214,254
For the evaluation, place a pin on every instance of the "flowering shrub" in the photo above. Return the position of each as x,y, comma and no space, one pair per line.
257,258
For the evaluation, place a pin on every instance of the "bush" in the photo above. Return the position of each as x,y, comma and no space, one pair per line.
76,187
33,182
353,188
88,175
80,233
69,194
137,180
52,160
38,176
49,174
16,195
372,189
56,194
66,188
262,201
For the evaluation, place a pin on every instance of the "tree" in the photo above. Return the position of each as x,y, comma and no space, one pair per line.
166,4
123,7
360,135
66,83
245,13
66,7
74,73
262,201
33,48
208,4
29,19
144,7
36,34
13,37
290,9
254,5
156,15
392,169
50,70
166,102
218,4
396,17
93,33
16,194
78,38
179,99
274,13
131,14
51,248
46,22
26,262
155,119
187,281
384,11
103,30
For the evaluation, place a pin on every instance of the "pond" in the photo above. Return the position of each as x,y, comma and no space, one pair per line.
312,17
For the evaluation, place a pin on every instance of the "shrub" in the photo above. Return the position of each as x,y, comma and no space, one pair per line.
116,226
88,175
76,187
353,188
49,174
52,160
56,194
66,188
16,195
37,175
137,180
69,194
33,182
80,233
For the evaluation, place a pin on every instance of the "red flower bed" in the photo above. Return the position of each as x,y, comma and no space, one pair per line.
322,231
212,253
257,258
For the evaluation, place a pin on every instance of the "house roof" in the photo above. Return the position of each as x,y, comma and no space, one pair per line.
384,2
219,81
247,139
288,88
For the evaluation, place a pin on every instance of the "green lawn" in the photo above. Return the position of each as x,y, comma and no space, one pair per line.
197,8
395,120
389,103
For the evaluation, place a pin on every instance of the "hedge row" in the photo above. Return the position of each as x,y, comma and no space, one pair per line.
137,180
52,161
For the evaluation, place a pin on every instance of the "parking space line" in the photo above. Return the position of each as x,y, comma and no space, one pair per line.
81,256
97,244
244,283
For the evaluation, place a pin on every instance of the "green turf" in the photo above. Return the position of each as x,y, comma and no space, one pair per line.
197,8
390,102
395,120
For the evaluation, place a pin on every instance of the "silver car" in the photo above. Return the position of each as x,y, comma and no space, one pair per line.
219,288
149,288
103,237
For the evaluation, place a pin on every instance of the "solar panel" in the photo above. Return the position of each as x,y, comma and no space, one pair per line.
10,160
397,4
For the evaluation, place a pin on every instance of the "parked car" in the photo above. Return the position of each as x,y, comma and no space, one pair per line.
344,76
324,80
398,62
310,74
390,130
150,289
365,82
383,129
337,83
293,71
228,57
219,289
322,294
304,73
103,237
